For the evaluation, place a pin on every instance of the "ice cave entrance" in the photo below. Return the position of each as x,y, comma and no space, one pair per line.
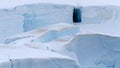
77,15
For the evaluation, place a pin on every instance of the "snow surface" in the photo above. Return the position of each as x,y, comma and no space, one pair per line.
26,51
85,50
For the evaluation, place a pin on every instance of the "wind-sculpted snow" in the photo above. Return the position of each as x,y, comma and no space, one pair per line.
87,50
96,50
52,35
47,34
28,50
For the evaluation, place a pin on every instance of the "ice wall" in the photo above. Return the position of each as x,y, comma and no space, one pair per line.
29,17
100,14
10,23
96,50
41,15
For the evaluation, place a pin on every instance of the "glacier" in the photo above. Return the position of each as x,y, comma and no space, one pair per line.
24,17
42,15
44,35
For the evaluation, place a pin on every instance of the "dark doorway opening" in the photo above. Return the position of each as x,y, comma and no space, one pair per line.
77,15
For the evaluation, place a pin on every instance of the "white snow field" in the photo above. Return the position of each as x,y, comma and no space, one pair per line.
44,36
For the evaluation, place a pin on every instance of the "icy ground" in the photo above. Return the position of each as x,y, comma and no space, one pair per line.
30,39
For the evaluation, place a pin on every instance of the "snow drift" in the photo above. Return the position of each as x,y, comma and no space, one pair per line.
21,57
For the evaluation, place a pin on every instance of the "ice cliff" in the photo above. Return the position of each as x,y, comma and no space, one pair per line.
29,17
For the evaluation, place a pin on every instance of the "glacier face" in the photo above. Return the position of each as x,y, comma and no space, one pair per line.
10,25
28,17
42,15
98,14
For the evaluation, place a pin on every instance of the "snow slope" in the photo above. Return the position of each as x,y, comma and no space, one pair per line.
21,57
27,50
86,50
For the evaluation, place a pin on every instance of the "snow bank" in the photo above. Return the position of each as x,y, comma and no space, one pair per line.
46,34
13,56
93,49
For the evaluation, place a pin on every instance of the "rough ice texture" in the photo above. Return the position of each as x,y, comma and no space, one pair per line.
10,24
43,15
94,49
99,14
29,17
